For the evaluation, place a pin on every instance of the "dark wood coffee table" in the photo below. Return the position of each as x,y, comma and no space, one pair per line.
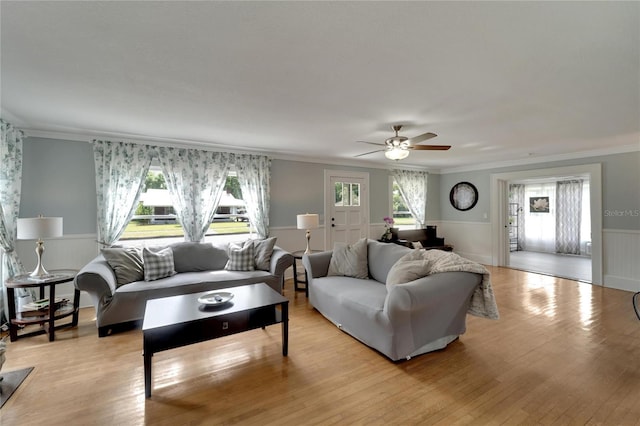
172,322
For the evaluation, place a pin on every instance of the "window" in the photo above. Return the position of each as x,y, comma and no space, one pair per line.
347,194
155,217
401,215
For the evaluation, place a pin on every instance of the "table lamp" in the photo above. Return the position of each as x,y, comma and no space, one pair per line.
308,222
39,228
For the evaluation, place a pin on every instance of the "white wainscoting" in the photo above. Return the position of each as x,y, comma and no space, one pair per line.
471,240
621,263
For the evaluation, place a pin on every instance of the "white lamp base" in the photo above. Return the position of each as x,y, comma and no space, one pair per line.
308,250
39,272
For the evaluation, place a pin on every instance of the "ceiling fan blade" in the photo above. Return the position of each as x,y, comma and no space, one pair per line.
422,137
367,153
372,143
430,147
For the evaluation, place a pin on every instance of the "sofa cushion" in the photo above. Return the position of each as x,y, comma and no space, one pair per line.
241,258
126,264
158,264
382,256
349,260
263,250
196,257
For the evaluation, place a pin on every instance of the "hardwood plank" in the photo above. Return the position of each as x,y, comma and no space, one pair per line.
563,352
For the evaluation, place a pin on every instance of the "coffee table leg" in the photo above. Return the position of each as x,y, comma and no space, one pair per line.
285,329
147,374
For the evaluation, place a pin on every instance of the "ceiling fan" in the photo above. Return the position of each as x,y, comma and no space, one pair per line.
398,147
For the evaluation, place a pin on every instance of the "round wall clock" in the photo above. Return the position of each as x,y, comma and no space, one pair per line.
463,196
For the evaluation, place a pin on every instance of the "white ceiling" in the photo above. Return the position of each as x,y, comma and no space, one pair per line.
497,81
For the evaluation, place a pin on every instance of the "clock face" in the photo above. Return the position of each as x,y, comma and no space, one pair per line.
463,196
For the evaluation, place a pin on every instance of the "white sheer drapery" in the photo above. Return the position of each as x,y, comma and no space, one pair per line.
568,216
121,169
10,190
540,228
413,189
254,176
195,179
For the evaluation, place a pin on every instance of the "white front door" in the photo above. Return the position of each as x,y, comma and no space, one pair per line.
346,207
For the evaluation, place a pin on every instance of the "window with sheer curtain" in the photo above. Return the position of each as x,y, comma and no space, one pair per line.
541,229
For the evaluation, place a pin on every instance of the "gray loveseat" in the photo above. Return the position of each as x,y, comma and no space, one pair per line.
198,267
406,320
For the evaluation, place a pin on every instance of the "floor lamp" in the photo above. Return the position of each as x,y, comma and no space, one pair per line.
308,222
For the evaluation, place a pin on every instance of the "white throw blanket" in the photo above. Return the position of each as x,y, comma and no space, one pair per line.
483,302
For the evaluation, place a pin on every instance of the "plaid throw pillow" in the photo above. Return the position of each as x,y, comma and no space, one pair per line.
158,264
241,258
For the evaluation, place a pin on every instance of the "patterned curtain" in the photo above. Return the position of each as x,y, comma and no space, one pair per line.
413,189
195,180
254,175
10,188
568,216
121,169
516,196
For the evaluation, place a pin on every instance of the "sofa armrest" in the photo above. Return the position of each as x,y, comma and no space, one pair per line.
317,264
280,261
98,279
431,293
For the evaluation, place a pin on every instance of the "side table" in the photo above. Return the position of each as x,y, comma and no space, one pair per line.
298,276
48,318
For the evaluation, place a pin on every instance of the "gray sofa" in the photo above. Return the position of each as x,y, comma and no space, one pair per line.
199,267
420,316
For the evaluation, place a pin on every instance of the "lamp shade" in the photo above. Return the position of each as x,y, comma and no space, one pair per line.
308,221
38,228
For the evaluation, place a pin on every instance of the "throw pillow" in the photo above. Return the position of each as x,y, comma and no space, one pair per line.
405,271
195,257
263,251
126,264
241,258
350,260
158,264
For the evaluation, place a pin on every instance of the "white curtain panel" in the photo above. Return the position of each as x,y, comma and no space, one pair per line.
568,216
254,176
413,189
121,169
10,189
195,180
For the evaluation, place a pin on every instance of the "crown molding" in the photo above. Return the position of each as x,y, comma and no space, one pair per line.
183,143
546,159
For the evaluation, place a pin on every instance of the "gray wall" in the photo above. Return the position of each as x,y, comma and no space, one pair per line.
298,187
620,189
58,179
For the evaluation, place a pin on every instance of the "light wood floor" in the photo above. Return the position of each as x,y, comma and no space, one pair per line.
562,353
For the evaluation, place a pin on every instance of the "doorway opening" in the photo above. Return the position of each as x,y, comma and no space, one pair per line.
502,230
550,226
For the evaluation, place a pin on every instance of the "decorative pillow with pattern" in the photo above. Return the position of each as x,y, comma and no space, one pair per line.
263,251
126,264
158,264
241,258
350,260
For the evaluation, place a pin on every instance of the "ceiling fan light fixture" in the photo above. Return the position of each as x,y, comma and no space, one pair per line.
396,154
